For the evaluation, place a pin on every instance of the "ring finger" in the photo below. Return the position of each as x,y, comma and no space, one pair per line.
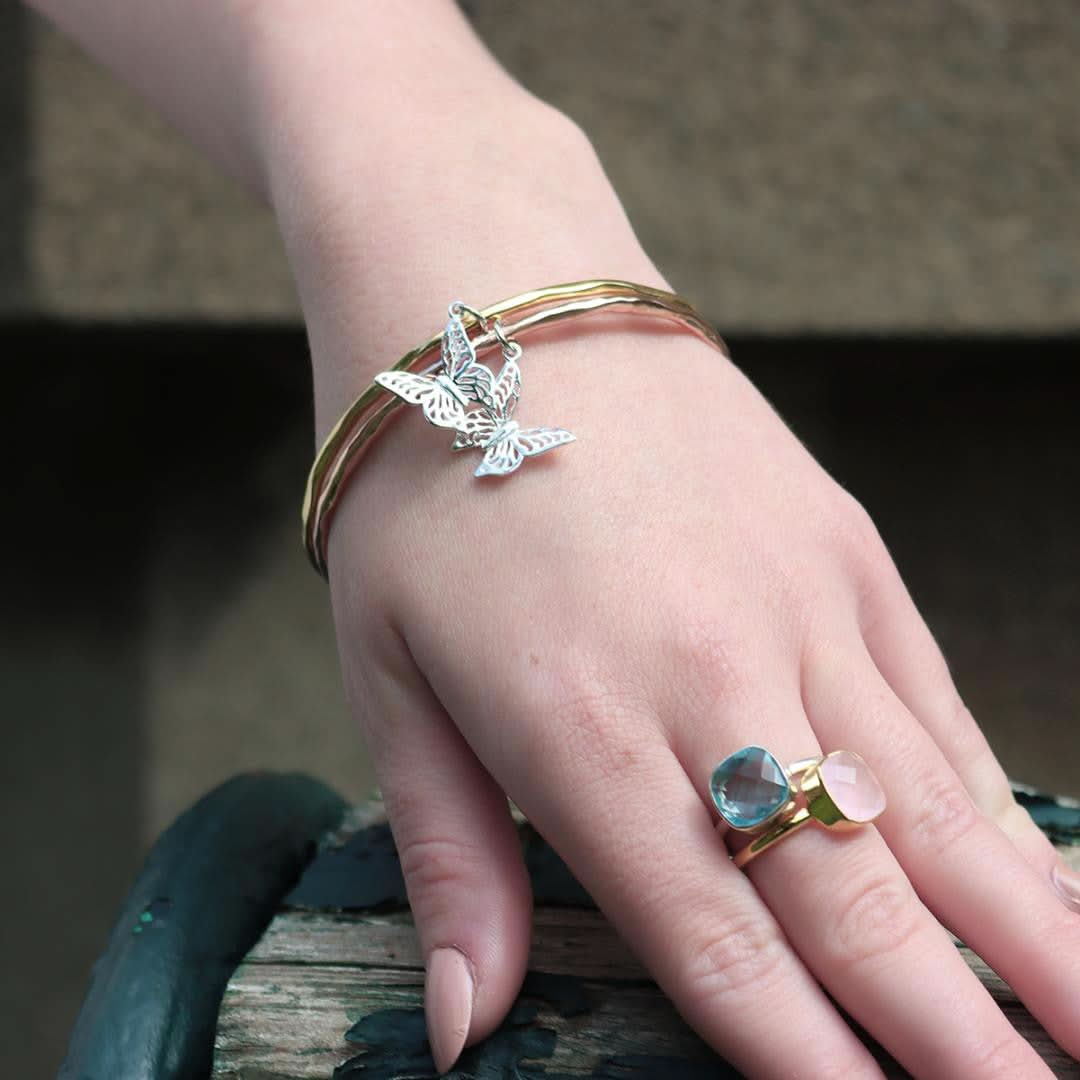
852,916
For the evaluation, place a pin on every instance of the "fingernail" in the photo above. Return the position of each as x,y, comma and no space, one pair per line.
1067,884
448,1004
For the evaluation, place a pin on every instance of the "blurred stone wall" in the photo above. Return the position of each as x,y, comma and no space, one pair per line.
791,166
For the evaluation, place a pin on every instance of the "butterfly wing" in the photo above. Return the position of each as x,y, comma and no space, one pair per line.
512,449
500,458
440,407
458,353
536,440
505,392
476,428
460,363
477,381
406,385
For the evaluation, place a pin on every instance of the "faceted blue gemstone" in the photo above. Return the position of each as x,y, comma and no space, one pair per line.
748,786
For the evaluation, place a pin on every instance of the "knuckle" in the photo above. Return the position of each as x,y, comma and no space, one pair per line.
945,815
706,658
877,917
858,536
598,728
436,869
744,957
794,595
1000,1059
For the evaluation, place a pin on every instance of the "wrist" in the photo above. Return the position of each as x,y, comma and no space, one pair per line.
530,206
459,188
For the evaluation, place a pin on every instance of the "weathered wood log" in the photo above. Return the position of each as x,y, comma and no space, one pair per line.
335,986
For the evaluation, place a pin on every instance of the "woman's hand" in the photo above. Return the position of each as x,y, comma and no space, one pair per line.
593,634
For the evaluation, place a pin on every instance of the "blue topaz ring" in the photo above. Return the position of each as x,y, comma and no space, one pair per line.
756,795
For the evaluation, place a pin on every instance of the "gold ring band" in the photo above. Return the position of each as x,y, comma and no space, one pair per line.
773,835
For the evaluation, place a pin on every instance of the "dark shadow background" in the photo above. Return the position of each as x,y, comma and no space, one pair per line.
14,182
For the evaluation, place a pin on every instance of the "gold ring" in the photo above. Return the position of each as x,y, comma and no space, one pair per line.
756,795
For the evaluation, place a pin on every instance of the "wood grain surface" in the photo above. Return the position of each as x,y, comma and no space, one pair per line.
340,994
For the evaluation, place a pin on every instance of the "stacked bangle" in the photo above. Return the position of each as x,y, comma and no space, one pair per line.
447,387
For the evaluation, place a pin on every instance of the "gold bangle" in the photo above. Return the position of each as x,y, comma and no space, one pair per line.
349,437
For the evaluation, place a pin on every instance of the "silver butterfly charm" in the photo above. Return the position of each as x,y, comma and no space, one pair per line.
494,430
446,395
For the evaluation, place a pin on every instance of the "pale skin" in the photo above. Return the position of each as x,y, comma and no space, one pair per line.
591,635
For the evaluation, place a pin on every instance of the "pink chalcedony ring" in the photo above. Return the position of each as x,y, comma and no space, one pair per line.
755,794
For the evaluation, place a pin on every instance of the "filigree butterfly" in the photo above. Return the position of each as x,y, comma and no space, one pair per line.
494,430
445,396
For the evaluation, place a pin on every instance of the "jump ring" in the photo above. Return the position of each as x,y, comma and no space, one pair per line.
459,307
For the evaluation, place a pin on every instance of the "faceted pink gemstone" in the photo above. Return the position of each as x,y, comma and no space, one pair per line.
852,786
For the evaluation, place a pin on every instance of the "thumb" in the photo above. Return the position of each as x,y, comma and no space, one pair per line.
460,854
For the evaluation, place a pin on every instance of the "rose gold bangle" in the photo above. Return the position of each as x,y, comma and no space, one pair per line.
500,324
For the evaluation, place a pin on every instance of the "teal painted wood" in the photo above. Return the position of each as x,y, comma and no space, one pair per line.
207,890
1057,815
